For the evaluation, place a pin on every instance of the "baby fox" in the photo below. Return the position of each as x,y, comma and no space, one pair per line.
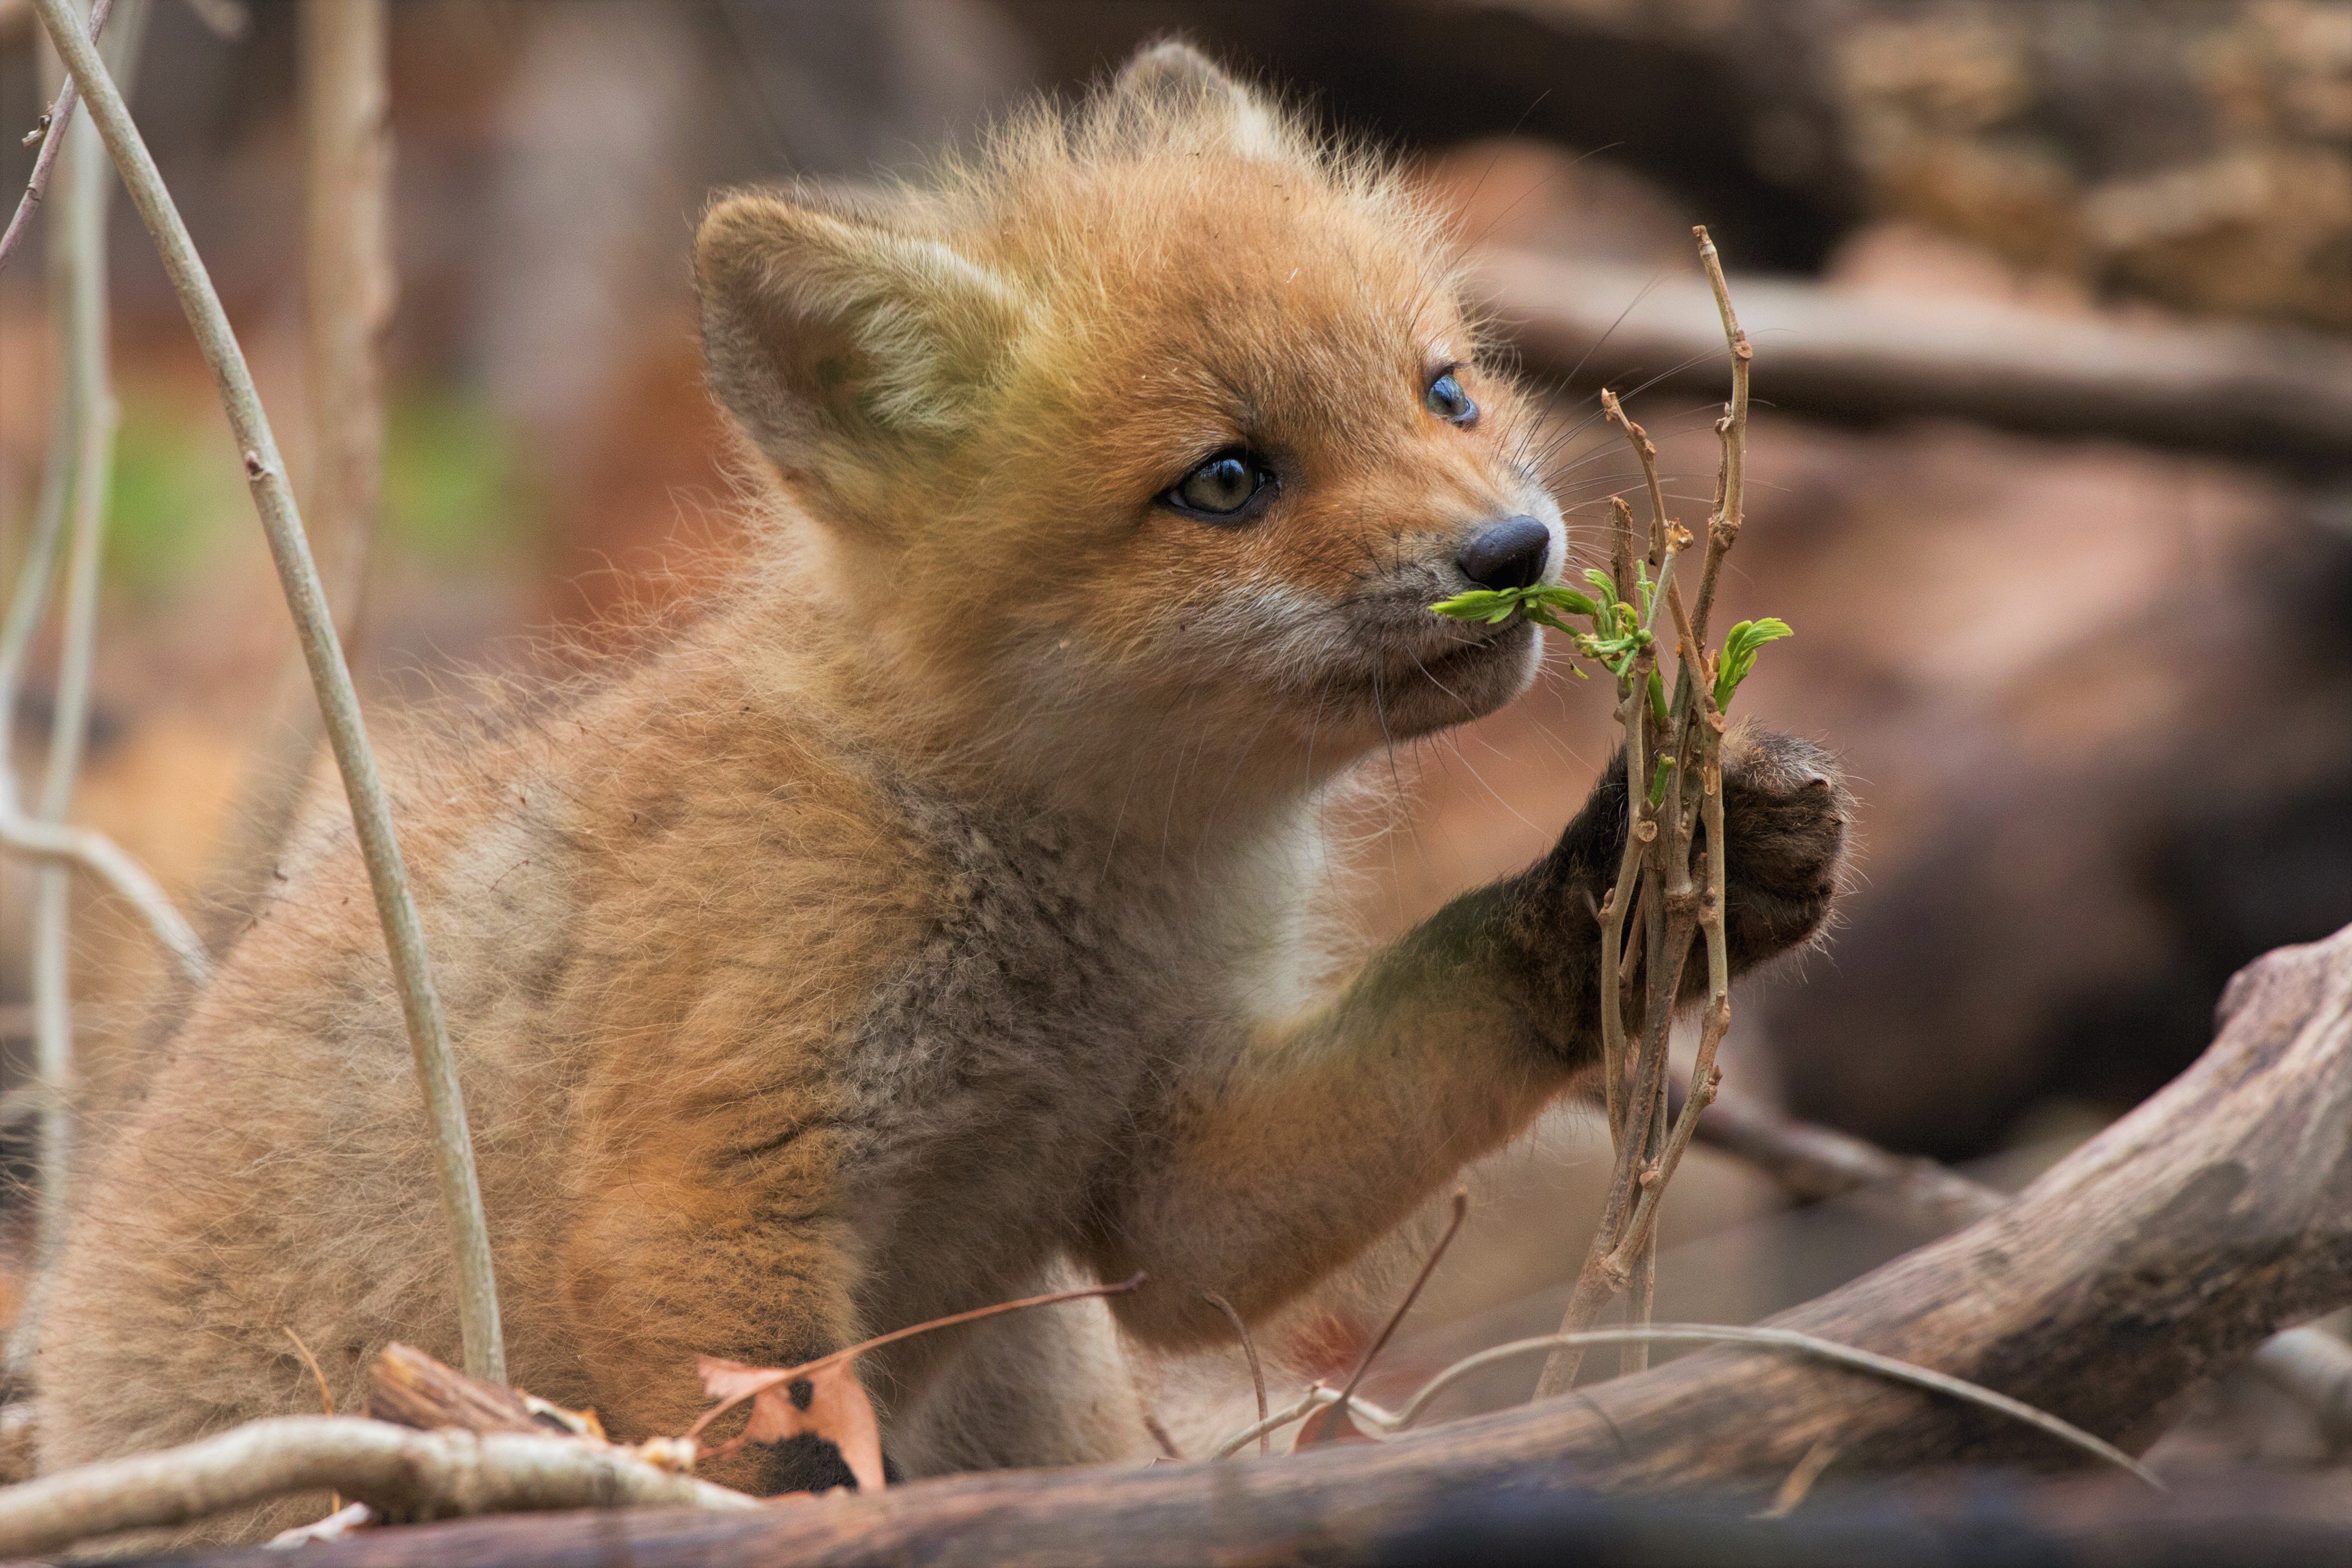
928,917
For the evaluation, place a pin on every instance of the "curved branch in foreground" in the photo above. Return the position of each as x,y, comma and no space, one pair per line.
94,852
2160,1252
400,1473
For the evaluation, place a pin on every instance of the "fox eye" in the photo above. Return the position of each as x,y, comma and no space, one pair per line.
1222,488
1446,399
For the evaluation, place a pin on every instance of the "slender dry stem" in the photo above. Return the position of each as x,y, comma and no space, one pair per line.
478,1305
1723,528
77,260
1256,1367
1685,755
51,132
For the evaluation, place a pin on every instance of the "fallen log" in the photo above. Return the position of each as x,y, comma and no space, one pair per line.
2160,1252
2262,392
1952,1521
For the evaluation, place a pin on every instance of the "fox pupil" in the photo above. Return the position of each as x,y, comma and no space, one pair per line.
1221,487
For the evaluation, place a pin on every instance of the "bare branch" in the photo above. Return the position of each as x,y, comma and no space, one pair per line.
1256,1368
51,134
402,1474
477,1308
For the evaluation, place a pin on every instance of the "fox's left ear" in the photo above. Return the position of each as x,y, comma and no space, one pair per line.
825,332
1170,93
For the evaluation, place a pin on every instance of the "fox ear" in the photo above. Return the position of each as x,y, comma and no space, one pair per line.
822,328
1173,93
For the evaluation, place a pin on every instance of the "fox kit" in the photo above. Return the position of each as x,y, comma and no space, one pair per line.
928,917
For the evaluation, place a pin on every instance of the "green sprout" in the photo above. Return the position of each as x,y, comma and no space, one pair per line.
1618,633
1739,645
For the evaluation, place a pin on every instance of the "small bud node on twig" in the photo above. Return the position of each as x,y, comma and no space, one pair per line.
1645,830
254,467
40,129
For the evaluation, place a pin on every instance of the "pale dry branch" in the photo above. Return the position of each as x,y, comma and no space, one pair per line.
1808,1345
400,1473
1461,1206
1249,1350
1685,749
477,1308
51,133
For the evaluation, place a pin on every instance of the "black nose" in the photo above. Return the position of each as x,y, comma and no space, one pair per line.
1506,554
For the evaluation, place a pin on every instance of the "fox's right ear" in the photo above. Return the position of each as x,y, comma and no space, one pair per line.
1170,92
821,330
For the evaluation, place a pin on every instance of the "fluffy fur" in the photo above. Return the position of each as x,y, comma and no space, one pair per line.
929,920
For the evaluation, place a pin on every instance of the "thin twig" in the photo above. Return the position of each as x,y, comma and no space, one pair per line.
1429,1267
1621,1252
1723,528
1809,1344
477,1307
784,1374
1801,1479
326,1395
1249,1348
1317,1397
51,131
28,837
78,266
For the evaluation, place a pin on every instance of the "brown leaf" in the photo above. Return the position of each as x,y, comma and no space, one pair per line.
823,1400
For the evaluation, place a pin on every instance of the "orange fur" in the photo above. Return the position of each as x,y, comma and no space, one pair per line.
930,916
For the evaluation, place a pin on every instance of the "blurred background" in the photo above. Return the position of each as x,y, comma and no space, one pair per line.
2052,471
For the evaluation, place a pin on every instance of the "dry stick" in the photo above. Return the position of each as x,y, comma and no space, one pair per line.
50,131
78,268
40,837
1723,531
1667,542
1379,1343
1257,1369
1622,1251
1723,528
477,1305
401,1473
348,293
1810,1344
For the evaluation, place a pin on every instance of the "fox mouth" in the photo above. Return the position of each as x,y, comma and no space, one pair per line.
1417,690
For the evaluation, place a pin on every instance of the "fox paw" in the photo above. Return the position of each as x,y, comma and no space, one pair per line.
1785,809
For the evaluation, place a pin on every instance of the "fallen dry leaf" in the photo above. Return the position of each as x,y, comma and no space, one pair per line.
824,1400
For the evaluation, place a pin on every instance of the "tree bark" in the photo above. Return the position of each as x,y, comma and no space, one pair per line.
2158,1254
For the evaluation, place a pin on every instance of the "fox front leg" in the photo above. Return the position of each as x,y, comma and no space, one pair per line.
1273,1159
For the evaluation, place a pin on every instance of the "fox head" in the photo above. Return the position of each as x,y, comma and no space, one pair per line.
1154,428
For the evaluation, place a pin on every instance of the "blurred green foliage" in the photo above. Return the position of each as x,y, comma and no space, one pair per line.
455,499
